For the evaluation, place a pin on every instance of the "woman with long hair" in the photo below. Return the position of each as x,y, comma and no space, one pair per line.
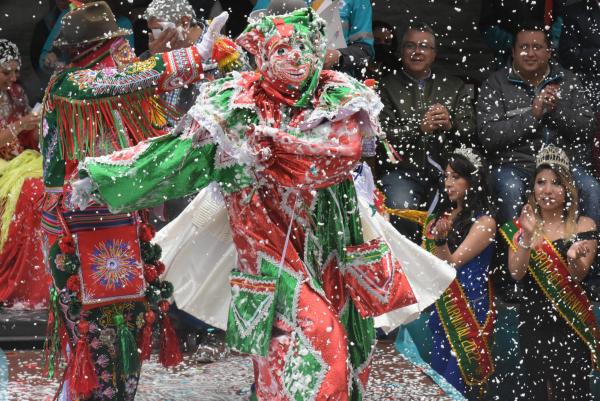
463,235
551,251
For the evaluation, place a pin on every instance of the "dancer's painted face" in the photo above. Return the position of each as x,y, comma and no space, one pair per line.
291,62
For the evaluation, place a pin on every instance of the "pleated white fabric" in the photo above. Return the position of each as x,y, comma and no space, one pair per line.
199,254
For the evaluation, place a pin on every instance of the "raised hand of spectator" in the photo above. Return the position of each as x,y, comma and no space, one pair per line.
551,96
436,117
578,250
167,41
441,228
545,101
528,222
442,116
51,61
30,121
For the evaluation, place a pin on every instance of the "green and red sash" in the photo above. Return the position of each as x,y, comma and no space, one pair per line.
469,340
549,271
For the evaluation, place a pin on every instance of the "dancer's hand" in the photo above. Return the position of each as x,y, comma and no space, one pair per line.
260,139
81,192
211,35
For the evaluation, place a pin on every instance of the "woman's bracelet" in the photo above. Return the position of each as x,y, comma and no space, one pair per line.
440,241
522,244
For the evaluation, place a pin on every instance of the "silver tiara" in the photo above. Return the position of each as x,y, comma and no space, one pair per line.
470,155
552,155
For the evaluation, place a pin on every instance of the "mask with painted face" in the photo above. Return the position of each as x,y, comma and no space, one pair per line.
289,51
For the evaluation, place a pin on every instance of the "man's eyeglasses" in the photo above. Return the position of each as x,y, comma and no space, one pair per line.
422,46
536,47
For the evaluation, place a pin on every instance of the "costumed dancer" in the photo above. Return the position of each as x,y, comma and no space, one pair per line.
106,296
551,250
269,140
22,272
463,319
199,253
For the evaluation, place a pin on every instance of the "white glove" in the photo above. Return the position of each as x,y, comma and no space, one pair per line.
82,192
211,35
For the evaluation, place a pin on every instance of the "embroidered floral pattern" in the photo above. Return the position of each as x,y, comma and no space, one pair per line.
111,81
113,264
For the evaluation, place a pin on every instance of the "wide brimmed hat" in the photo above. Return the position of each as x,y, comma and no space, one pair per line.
89,23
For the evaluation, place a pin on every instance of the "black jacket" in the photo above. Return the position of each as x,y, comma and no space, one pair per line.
406,103
510,133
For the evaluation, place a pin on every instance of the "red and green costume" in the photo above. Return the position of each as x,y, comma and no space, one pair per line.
106,296
282,164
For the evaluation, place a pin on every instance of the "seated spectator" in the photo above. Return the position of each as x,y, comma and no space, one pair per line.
356,24
463,235
173,25
22,274
500,21
386,59
427,115
579,50
526,105
552,248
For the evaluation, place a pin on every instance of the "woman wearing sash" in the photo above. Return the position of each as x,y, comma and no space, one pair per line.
551,251
462,321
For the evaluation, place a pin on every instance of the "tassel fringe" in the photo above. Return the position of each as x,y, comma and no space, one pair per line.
146,336
83,380
83,124
170,354
130,360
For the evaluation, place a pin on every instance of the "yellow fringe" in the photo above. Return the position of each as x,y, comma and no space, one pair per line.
416,216
12,175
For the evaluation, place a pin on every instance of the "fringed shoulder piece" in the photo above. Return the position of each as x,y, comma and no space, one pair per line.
117,107
120,121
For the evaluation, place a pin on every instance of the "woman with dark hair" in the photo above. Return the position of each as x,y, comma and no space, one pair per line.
24,280
463,235
551,251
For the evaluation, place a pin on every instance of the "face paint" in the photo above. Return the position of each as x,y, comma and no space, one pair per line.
291,62
289,51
